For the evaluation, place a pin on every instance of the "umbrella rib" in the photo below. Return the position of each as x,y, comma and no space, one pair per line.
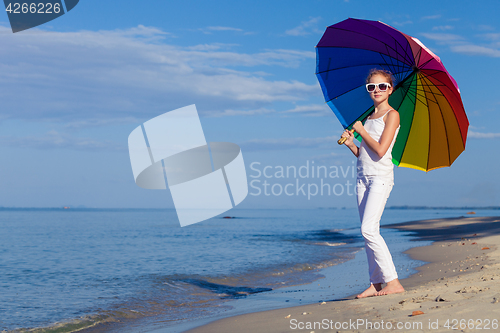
418,94
363,34
445,128
356,87
385,62
352,66
392,65
406,93
409,56
433,76
417,57
454,118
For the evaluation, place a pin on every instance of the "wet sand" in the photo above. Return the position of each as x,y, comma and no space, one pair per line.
458,289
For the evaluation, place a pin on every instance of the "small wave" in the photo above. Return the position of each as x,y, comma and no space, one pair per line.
74,325
173,286
329,244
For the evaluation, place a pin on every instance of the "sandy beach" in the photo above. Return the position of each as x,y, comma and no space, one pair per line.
457,290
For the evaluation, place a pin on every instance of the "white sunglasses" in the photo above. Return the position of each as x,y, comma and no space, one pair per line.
382,86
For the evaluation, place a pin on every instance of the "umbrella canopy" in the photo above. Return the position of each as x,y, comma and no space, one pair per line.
432,117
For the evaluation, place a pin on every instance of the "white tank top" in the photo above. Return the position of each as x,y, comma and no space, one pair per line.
369,163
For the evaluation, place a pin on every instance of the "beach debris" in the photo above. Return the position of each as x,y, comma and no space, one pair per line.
305,313
471,289
416,313
288,316
485,248
496,298
440,299
323,303
474,243
487,277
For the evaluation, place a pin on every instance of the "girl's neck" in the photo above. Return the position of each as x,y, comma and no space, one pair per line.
382,107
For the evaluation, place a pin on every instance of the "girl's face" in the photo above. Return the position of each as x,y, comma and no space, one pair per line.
377,95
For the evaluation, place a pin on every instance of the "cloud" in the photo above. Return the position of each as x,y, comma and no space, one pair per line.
56,140
288,143
329,158
305,28
241,112
78,77
97,122
210,30
315,110
443,37
475,50
481,135
431,17
491,36
485,27
443,27
403,23
223,29
459,44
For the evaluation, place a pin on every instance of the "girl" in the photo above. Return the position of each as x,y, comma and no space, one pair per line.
375,180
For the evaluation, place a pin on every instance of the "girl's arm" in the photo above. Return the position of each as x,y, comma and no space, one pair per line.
381,147
350,142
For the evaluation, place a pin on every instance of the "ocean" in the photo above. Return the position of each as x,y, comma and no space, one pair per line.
67,269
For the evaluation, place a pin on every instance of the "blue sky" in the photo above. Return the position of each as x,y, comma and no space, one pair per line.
73,89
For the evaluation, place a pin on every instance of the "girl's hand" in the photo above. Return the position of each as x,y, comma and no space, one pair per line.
358,127
350,137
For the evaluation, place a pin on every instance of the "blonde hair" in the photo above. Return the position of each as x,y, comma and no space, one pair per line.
383,72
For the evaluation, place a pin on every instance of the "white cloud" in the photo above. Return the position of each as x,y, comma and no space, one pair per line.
223,29
485,27
443,27
77,77
241,112
431,17
402,23
56,140
481,135
305,28
210,30
443,37
459,44
491,36
288,143
330,158
476,50
97,122
311,110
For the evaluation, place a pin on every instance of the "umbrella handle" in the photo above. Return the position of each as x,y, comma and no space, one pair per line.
342,140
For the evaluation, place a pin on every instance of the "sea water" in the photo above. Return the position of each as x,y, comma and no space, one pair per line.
70,269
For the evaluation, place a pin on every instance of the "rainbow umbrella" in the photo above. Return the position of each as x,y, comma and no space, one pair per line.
432,117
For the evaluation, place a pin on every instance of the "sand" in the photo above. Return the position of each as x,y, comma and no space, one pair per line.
457,290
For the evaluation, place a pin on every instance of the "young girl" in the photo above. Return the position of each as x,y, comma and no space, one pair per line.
375,180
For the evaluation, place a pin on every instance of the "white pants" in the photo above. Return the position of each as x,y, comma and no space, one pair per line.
372,195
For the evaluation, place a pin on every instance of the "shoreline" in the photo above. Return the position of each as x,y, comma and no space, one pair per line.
333,281
457,282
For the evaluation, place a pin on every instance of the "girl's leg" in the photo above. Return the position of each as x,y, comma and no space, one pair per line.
372,197
361,191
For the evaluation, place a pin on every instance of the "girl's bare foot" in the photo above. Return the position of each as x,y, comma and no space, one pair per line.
371,291
392,287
